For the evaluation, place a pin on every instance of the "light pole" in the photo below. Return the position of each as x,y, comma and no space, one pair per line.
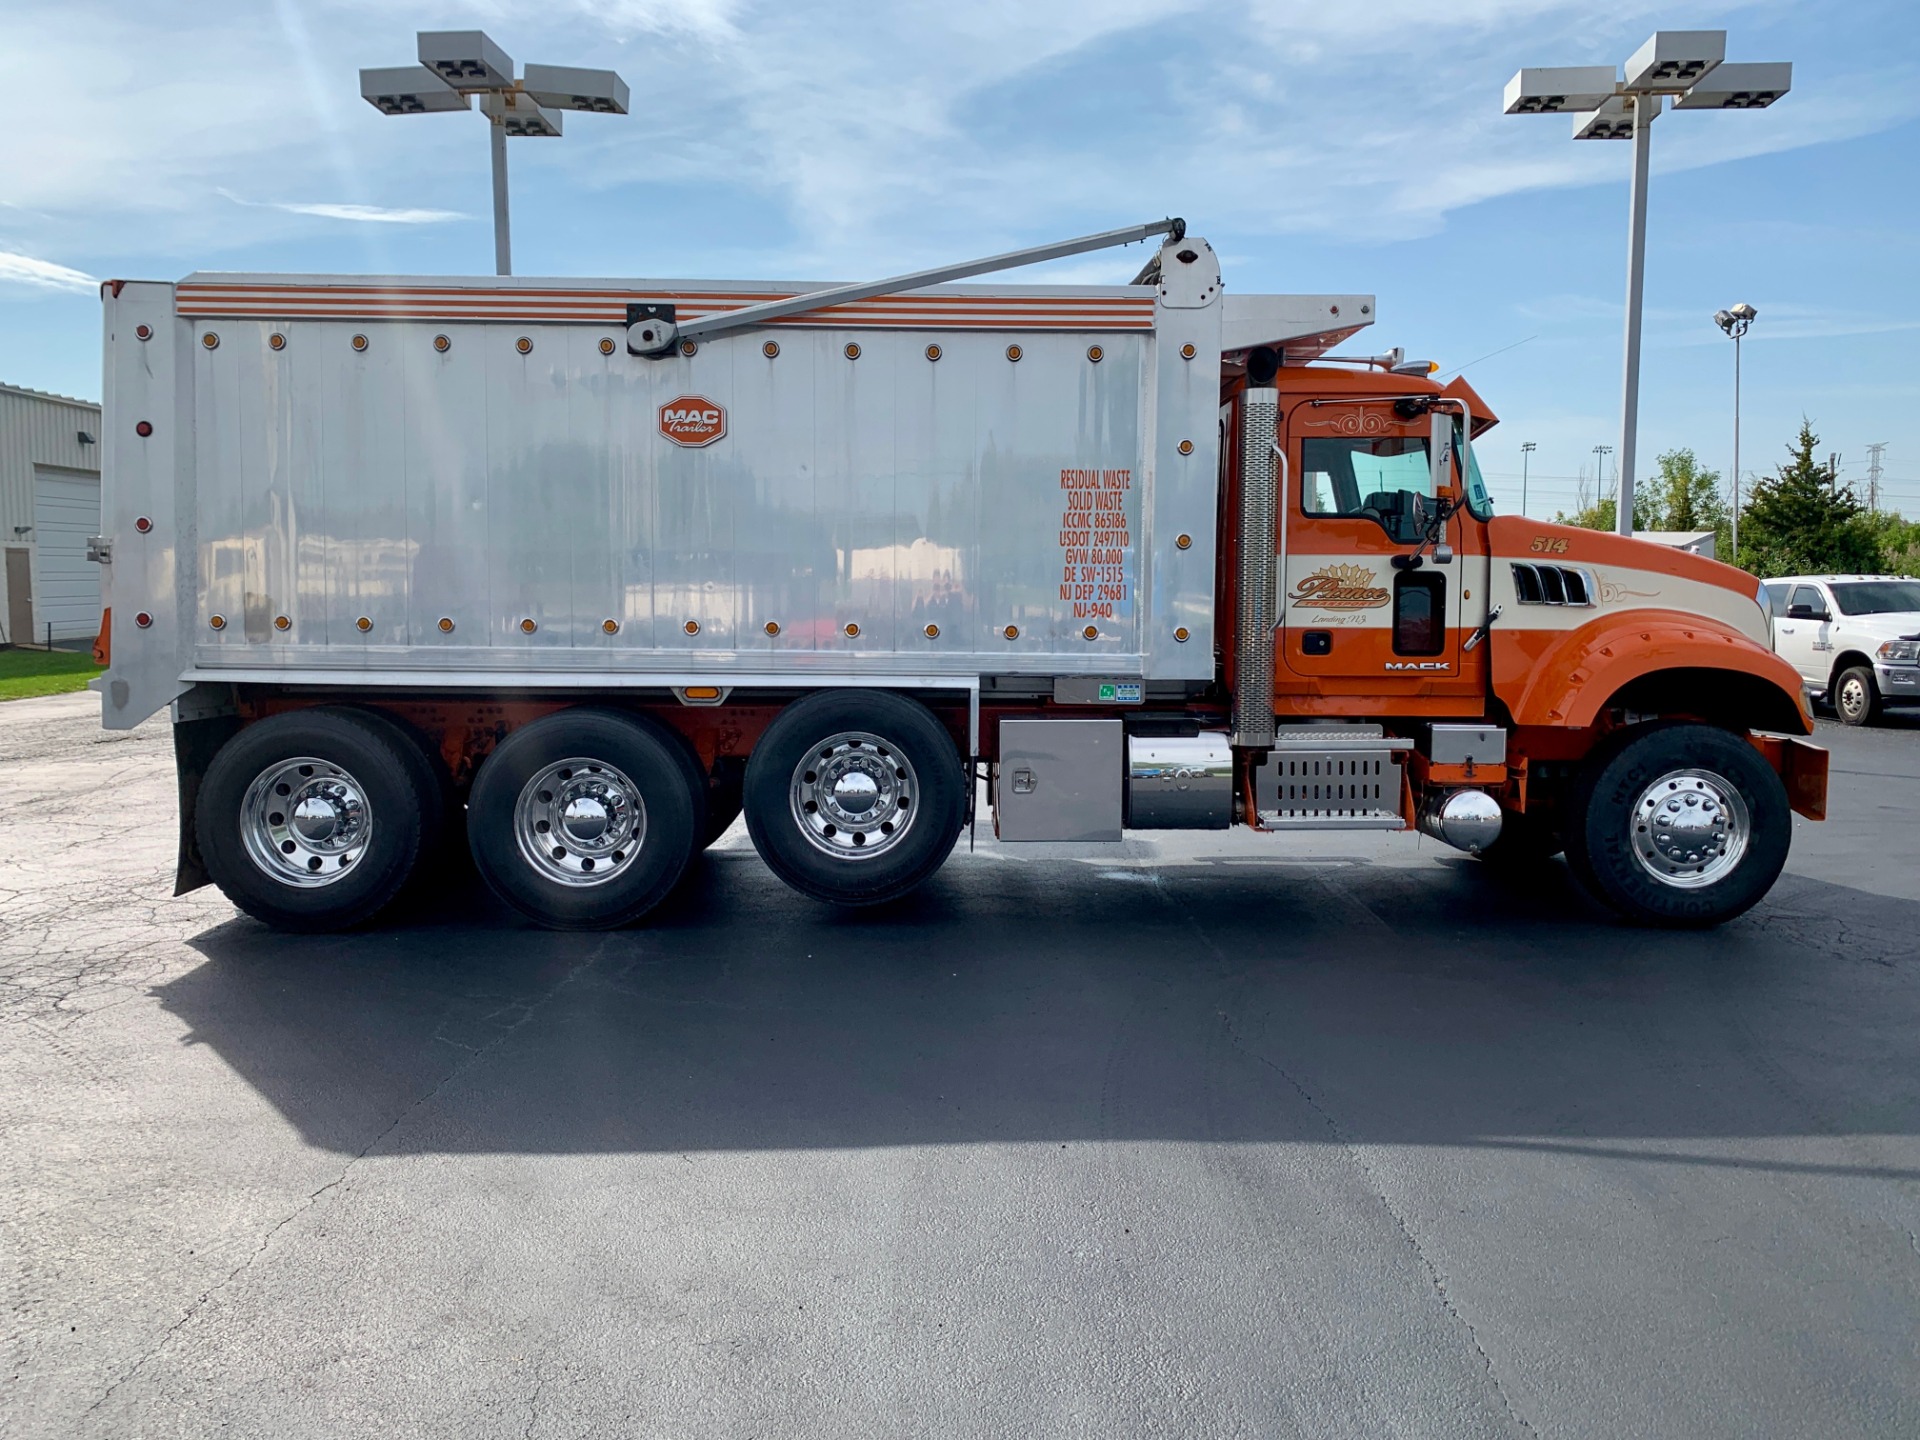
1600,453
1687,66
1527,448
457,65
1735,322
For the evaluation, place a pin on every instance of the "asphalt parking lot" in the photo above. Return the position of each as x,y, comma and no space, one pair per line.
1206,1136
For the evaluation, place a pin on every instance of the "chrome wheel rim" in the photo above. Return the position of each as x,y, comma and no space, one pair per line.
1853,697
1690,829
306,822
854,796
580,822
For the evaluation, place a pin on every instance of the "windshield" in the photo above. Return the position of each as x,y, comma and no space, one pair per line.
1876,597
1479,502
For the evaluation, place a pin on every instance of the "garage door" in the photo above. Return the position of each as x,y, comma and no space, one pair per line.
66,588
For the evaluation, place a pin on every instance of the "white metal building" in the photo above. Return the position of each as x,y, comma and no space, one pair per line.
49,506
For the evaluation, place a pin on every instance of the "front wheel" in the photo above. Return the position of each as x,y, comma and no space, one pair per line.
1856,699
1679,824
855,796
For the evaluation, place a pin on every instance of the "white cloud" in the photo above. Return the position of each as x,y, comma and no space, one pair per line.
360,214
43,274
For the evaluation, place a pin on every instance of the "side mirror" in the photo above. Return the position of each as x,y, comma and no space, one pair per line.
1806,612
1440,449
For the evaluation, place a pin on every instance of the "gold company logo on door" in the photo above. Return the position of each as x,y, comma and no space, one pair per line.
693,421
1340,587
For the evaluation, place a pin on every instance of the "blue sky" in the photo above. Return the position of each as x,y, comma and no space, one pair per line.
1320,147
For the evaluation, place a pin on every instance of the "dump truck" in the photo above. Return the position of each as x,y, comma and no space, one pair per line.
575,572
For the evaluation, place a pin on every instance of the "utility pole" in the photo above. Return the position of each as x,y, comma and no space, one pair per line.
1526,453
1873,476
1600,453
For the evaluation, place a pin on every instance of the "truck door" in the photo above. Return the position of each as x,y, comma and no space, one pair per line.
1803,637
1359,492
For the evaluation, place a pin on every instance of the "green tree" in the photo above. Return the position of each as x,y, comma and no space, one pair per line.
1803,520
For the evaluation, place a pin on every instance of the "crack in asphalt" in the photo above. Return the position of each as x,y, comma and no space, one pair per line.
527,1012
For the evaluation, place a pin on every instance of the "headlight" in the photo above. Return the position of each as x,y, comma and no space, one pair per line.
1896,652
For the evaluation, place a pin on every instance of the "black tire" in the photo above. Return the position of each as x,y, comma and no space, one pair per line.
362,755
921,778
1527,841
1602,825
670,816
1856,698
430,780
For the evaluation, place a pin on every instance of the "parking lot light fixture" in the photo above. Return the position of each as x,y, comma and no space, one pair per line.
1687,67
458,65
1735,321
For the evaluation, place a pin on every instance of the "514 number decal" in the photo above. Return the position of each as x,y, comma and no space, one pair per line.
1548,545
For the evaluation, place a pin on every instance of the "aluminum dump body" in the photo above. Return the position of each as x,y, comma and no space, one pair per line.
358,481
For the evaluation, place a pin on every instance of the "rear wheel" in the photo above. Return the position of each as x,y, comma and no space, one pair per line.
1679,824
1856,699
313,820
855,797
585,819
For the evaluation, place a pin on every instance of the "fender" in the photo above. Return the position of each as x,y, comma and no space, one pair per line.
1565,677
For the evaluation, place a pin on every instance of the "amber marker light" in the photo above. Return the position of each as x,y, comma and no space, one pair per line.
1181,635
523,345
1012,632
612,627
606,346
692,627
210,340
442,343
851,630
216,622
770,349
363,624
1092,632
932,632
852,352
282,622
934,352
1184,542
772,627
702,692
1187,352
1014,352
527,627
1186,447
1096,354
359,342
276,341
689,348
446,625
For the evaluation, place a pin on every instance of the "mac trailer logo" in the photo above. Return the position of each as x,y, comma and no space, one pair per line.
693,421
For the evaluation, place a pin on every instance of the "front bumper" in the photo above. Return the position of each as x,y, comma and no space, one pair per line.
1898,682
1802,769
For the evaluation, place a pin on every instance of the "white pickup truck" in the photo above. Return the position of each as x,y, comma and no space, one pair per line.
1855,639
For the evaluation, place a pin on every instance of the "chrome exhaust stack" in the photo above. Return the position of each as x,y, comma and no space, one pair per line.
1253,573
1468,820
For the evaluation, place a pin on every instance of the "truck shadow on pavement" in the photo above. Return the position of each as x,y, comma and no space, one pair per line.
1007,1002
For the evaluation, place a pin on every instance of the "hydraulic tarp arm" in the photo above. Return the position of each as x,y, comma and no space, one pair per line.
652,330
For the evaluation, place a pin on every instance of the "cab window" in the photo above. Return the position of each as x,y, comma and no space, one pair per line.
1808,596
1776,600
1356,477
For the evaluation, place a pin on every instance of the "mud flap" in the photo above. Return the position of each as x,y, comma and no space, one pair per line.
1802,769
195,742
